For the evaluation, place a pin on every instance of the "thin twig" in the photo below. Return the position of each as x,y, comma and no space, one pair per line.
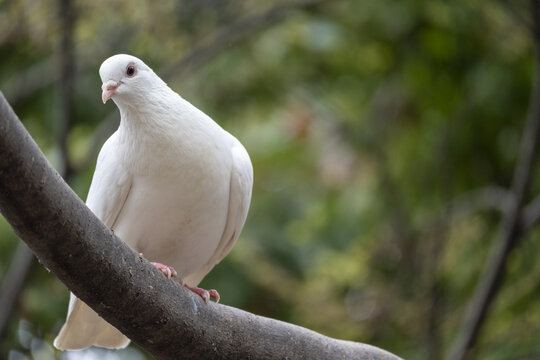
511,229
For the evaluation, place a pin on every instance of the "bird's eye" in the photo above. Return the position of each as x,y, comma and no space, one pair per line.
130,71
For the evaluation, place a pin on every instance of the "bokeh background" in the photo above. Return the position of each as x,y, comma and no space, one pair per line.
384,136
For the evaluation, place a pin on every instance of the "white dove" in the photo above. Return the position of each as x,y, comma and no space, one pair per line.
170,182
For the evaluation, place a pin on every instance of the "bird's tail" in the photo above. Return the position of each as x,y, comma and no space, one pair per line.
84,328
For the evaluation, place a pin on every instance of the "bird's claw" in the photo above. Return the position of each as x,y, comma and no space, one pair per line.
168,271
214,294
205,294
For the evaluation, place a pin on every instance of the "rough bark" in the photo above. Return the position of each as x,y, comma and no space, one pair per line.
158,314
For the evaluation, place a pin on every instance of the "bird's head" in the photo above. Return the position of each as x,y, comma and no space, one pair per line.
125,79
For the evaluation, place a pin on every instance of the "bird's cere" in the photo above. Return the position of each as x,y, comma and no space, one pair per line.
109,88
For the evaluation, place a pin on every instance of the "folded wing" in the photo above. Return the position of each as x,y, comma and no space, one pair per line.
241,185
108,193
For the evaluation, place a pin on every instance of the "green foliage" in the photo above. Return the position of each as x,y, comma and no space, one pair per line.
364,121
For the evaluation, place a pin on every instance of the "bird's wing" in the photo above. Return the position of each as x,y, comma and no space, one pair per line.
108,193
241,184
110,186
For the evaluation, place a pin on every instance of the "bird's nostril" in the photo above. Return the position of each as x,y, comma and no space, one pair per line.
109,85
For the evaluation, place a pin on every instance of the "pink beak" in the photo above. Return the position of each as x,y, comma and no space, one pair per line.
109,89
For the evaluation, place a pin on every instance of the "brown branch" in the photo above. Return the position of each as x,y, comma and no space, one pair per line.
158,314
511,229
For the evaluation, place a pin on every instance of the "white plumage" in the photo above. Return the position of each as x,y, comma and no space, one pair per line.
170,182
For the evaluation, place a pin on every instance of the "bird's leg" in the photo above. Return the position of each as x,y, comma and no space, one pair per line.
168,271
205,294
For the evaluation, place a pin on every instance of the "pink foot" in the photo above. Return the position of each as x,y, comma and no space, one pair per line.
168,271
205,294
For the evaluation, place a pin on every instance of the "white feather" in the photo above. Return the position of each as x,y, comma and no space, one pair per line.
170,182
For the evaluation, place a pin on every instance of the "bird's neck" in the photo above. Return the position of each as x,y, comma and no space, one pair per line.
147,107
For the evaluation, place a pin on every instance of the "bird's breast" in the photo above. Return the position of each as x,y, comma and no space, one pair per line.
176,210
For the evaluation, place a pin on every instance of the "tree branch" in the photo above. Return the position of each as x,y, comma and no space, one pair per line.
158,314
512,225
